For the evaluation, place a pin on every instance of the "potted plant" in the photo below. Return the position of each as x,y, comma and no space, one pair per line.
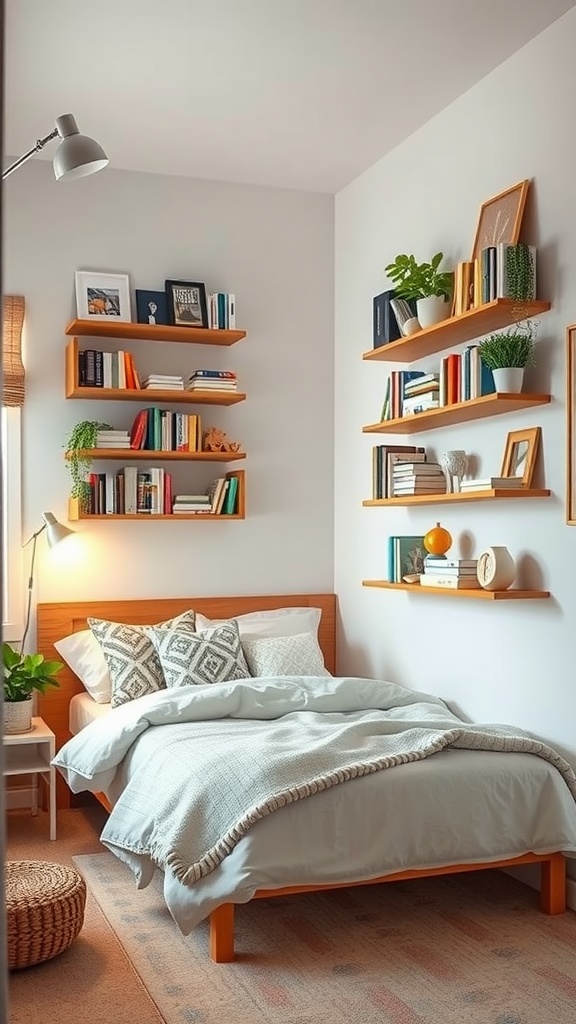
424,282
80,440
506,353
24,673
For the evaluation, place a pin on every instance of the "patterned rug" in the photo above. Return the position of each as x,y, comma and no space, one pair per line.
464,949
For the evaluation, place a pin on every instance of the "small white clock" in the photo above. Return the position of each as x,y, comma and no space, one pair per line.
496,569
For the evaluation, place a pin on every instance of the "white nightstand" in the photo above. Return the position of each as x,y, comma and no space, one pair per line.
30,753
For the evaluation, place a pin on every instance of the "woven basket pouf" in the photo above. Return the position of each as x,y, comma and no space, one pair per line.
44,909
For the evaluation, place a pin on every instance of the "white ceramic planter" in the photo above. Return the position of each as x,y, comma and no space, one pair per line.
496,568
432,310
509,379
17,715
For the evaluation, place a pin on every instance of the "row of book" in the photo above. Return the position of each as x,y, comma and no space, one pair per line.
161,430
501,271
135,491
98,369
462,376
222,310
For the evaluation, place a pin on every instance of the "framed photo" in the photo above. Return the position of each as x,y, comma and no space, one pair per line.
500,218
186,303
151,307
571,425
102,296
520,454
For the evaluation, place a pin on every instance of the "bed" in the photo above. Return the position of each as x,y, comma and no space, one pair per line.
483,808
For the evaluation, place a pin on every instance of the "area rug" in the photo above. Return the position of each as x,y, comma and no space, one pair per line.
464,949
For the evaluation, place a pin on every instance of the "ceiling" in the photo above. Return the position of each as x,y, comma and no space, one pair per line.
302,94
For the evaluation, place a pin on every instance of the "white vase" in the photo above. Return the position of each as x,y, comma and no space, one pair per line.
496,568
508,379
432,310
17,715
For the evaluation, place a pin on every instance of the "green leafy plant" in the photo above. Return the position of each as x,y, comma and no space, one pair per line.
24,673
80,440
414,280
514,347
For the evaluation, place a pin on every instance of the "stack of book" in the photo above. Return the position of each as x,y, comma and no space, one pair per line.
163,382
421,394
212,380
113,439
450,573
187,503
490,483
417,478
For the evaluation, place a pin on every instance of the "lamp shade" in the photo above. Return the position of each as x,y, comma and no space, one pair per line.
77,155
55,531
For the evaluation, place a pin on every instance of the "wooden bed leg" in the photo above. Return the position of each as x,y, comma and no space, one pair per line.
553,884
222,934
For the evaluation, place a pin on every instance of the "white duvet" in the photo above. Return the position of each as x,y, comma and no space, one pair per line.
271,782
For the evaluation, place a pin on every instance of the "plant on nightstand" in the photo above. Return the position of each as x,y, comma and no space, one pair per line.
23,674
80,440
425,282
506,353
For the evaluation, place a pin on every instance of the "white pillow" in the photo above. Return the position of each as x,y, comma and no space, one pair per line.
274,622
298,655
82,652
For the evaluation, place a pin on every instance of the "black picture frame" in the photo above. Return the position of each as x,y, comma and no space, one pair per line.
146,301
186,302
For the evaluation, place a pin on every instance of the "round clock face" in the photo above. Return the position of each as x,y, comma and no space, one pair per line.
486,568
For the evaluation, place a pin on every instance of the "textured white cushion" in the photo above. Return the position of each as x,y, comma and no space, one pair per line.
133,664
298,655
82,652
212,656
274,622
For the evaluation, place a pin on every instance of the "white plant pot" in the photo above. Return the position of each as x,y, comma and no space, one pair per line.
509,379
17,715
432,310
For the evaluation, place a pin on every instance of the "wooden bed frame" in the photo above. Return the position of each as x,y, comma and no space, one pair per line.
55,621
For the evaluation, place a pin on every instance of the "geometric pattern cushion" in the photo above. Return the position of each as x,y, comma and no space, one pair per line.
132,661
212,656
298,655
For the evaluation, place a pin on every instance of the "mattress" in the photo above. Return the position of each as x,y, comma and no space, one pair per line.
83,710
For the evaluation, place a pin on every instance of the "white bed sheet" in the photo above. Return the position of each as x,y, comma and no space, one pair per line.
84,709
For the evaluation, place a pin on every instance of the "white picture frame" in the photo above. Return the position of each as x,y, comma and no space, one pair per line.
102,296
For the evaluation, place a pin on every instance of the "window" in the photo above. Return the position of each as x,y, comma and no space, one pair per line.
11,554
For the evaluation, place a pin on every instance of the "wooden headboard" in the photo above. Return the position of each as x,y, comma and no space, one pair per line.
55,621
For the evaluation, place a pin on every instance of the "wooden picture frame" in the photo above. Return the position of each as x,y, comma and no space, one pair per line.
501,217
186,301
571,425
101,296
520,454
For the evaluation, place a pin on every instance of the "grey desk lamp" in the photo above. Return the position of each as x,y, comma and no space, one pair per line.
76,156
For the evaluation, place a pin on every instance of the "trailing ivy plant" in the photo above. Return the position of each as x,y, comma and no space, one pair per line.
80,440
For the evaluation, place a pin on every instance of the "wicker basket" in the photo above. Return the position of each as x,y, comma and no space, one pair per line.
44,910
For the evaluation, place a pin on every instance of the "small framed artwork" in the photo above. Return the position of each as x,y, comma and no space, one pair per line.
151,307
571,425
186,302
102,296
520,454
501,217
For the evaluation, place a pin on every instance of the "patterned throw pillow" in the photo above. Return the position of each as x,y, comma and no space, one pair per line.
212,656
133,664
298,655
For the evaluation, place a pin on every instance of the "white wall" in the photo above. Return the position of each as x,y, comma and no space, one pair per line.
495,661
274,249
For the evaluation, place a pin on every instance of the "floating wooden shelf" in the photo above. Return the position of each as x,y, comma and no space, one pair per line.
144,395
445,499
153,332
460,412
479,594
475,323
147,455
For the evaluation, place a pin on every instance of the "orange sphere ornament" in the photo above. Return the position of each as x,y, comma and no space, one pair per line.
437,541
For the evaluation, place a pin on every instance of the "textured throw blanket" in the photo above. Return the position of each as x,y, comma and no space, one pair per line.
206,762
